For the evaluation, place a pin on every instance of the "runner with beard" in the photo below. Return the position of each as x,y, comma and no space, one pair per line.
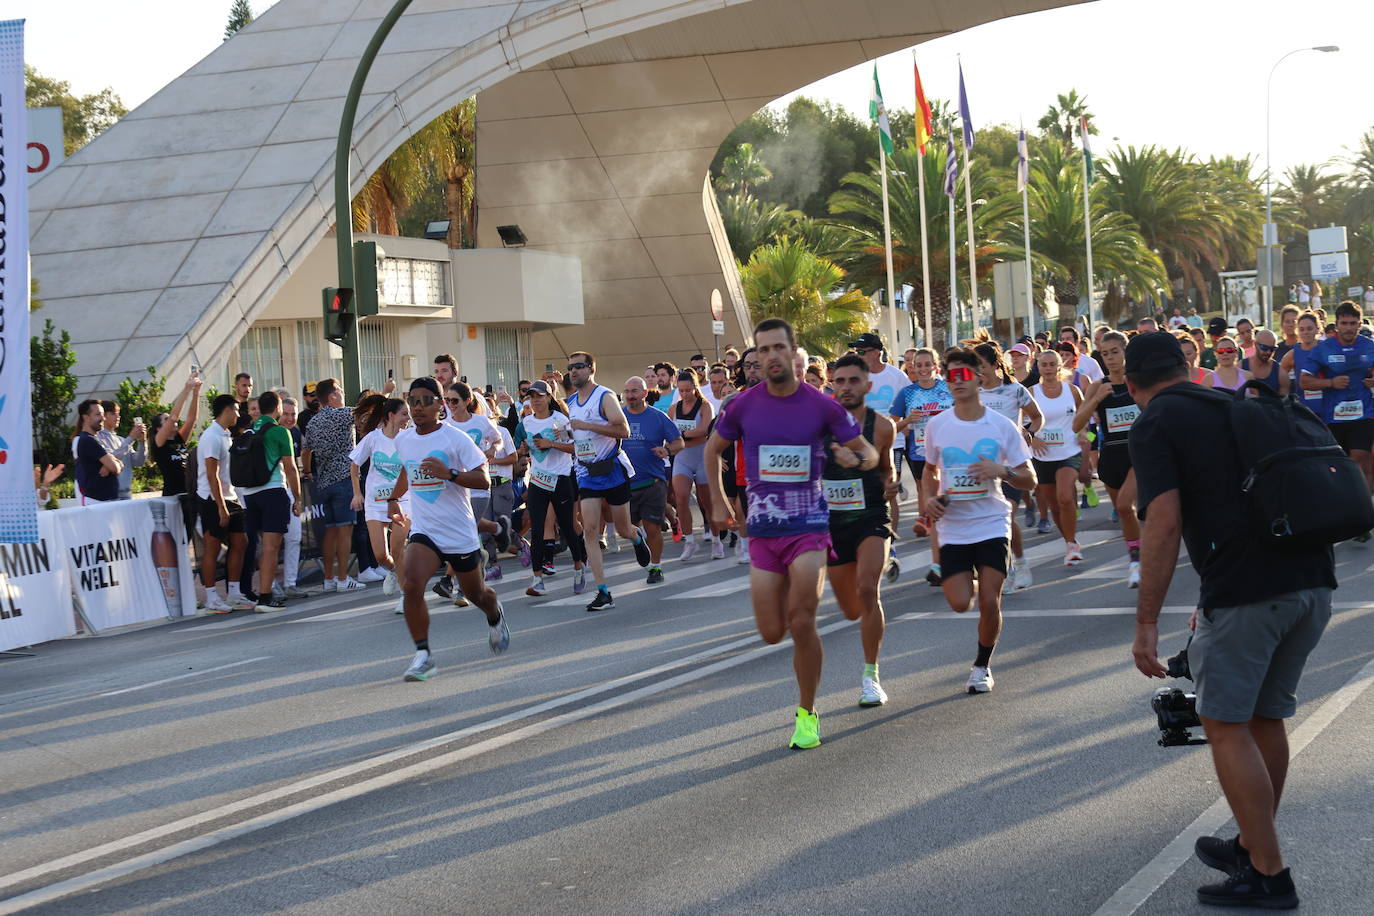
860,525
783,425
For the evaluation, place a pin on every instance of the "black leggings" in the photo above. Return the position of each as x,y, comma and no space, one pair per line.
537,501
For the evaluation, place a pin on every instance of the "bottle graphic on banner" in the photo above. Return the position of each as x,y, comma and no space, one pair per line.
165,557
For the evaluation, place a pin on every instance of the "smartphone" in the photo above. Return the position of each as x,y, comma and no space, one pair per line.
138,421
463,379
548,367
501,389
489,389
391,373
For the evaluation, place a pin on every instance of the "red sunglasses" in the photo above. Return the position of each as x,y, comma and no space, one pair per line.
959,374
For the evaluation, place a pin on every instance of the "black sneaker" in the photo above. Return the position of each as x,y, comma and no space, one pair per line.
502,536
601,602
935,579
276,602
641,547
655,575
1223,855
601,542
1248,887
444,587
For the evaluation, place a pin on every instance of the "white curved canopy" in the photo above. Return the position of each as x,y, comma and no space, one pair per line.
597,118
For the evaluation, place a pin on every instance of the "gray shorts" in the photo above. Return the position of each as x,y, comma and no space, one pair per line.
648,504
1247,660
691,463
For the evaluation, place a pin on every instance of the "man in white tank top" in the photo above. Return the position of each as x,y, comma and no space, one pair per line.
603,469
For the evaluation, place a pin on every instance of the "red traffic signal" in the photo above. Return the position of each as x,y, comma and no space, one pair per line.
338,314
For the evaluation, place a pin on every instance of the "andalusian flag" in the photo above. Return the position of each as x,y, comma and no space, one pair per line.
1087,150
923,130
877,112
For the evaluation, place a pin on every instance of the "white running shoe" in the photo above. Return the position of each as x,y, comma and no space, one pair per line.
1009,583
1073,554
389,584
240,603
742,552
401,605
980,679
330,585
371,574
421,666
1024,579
612,541
216,604
1133,577
717,549
689,549
871,693
349,585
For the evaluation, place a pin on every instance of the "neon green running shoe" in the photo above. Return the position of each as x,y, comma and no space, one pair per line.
807,734
1091,493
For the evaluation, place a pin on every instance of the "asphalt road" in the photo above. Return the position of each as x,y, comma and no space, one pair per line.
635,761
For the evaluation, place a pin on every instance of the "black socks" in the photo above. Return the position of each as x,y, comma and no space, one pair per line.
984,655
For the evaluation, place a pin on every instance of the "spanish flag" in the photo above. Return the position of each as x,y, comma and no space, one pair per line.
923,128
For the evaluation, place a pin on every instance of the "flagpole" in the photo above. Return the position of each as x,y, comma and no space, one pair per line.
887,247
953,281
1030,289
1023,165
968,199
925,244
1088,236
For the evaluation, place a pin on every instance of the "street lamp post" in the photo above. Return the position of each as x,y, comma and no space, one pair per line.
1271,240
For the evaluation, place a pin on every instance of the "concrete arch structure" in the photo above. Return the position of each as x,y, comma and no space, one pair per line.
169,233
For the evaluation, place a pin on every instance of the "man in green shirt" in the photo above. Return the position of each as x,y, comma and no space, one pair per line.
267,509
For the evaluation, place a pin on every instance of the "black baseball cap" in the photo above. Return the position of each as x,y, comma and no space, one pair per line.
1026,339
538,386
868,341
1217,327
1153,351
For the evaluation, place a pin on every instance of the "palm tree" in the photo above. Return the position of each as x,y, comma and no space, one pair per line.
788,280
742,170
444,151
1120,255
750,223
1308,197
1359,204
858,206
1196,217
1061,119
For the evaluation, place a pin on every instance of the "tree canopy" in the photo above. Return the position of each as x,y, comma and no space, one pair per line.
83,116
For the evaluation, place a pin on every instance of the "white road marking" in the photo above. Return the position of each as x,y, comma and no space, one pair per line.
1142,886
182,677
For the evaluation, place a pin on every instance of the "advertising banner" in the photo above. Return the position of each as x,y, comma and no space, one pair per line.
171,558
45,141
18,508
110,551
35,593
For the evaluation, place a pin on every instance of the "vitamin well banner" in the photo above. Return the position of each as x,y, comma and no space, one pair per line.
18,507
109,550
35,595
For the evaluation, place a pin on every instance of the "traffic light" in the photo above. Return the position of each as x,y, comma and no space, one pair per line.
367,260
338,316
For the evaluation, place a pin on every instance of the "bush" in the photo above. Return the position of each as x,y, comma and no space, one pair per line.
51,359
142,398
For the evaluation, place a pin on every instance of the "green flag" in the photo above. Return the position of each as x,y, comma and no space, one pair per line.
877,112
1087,150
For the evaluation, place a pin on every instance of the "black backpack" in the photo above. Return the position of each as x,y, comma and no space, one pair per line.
1301,488
248,465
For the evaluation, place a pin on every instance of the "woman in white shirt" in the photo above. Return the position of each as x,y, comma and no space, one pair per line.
377,450
550,485
1058,455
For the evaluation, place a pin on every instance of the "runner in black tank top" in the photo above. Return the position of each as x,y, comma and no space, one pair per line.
860,525
1116,411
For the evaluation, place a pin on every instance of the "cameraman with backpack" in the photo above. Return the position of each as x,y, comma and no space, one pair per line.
1262,607
262,465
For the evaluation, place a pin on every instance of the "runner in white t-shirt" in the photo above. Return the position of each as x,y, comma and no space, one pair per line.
970,451
440,464
377,450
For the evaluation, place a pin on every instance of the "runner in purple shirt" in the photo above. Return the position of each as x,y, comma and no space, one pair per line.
783,425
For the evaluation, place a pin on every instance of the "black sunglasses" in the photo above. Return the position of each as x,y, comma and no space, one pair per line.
572,366
421,400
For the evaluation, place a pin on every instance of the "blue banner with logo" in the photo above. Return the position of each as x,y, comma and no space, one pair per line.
18,502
